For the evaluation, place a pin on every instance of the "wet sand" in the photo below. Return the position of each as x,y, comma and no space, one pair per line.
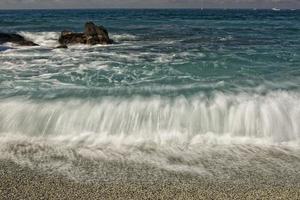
19,182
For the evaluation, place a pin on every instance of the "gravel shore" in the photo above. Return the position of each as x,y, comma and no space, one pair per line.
19,182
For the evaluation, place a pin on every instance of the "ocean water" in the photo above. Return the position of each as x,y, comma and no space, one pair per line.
178,89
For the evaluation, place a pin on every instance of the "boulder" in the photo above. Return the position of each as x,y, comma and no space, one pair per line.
72,38
96,34
92,35
16,39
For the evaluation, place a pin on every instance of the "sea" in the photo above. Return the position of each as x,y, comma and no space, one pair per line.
214,93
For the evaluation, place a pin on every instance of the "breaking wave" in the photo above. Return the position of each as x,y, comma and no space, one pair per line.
222,119
47,39
212,137
123,37
50,39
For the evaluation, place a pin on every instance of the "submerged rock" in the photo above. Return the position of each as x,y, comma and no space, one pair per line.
16,39
92,35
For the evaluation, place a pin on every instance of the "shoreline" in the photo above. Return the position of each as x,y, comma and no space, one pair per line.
19,182
160,104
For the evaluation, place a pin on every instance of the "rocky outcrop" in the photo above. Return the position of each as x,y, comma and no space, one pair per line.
16,39
67,37
92,35
96,34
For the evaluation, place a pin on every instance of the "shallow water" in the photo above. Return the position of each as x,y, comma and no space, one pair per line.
176,83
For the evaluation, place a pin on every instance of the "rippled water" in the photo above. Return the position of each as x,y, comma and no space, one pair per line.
178,82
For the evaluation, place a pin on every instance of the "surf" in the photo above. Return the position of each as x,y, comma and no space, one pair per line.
224,118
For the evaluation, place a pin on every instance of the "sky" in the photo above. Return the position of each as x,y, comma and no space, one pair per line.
63,4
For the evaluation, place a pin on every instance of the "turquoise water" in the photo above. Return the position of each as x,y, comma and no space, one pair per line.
158,52
177,82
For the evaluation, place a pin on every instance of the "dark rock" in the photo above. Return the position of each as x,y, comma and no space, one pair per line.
92,35
63,46
65,32
96,34
72,38
15,38
3,48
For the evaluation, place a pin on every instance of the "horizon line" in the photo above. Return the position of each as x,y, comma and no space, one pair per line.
212,8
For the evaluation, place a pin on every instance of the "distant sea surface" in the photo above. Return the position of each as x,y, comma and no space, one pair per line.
176,87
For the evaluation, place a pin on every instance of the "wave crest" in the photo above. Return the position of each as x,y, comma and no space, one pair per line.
48,39
271,118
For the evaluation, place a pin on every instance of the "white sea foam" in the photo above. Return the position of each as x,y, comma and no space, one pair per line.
270,119
123,37
227,38
50,39
217,161
215,136
47,39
